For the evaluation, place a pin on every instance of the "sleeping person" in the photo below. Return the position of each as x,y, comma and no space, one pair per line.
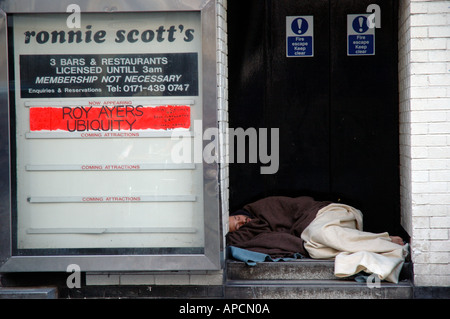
282,226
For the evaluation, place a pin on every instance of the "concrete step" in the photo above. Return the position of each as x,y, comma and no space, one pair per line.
315,289
28,293
289,270
308,279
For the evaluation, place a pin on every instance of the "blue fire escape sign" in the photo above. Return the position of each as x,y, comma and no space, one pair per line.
300,36
360,35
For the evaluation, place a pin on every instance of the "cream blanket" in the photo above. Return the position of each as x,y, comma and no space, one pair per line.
337,232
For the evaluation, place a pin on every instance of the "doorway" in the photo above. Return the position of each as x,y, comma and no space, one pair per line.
337,113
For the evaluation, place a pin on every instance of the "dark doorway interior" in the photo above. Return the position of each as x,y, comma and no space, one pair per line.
337,114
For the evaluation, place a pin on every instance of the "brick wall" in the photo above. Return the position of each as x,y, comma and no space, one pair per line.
424,87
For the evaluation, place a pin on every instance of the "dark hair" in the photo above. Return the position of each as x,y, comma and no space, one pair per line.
242,212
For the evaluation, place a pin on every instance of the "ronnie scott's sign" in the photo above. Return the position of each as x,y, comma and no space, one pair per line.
94,109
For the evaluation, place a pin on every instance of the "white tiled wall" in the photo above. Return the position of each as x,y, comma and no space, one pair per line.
424,85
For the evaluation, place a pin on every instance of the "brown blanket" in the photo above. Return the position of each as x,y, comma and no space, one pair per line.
278,224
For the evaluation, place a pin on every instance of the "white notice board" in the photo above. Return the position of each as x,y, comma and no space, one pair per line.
95,109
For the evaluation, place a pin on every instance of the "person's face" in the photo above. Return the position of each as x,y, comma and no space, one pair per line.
235,222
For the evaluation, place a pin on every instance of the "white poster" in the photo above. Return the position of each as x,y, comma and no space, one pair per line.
95,109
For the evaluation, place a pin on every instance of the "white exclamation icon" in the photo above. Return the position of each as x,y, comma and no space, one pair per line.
299,24
361,21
